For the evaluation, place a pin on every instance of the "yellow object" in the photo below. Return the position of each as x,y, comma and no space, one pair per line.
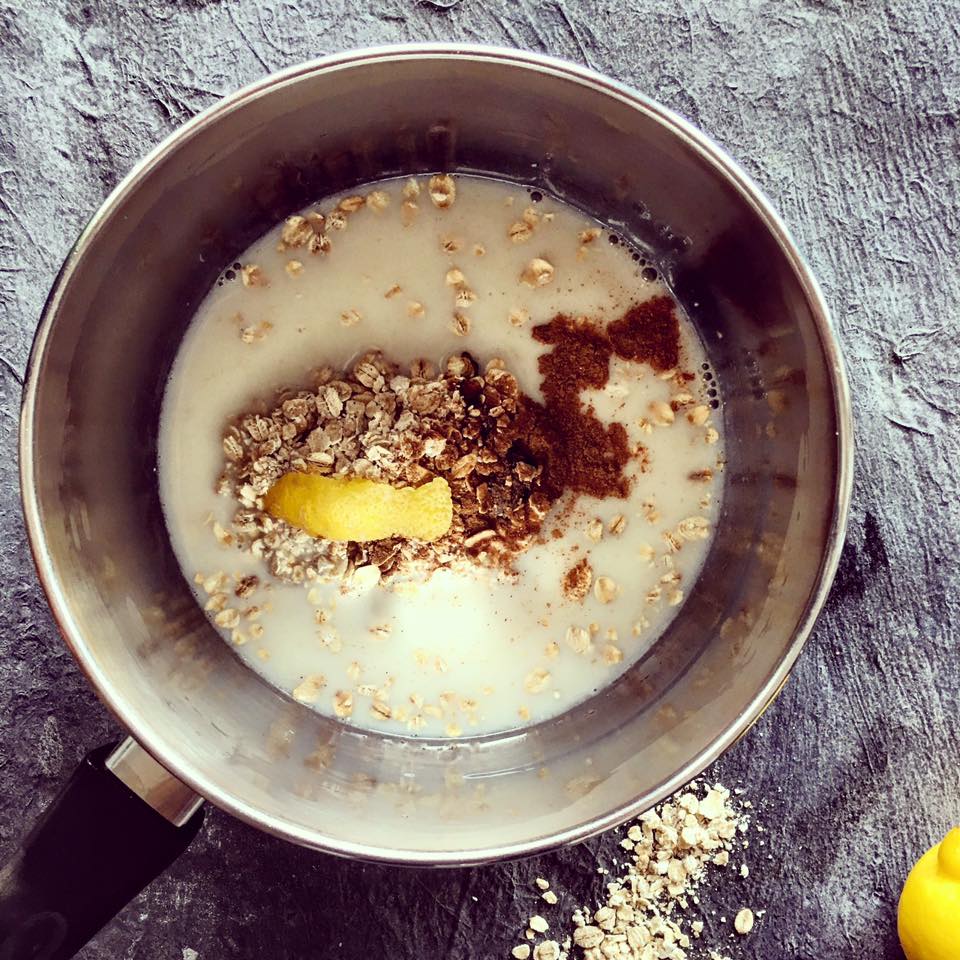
352,508
928,920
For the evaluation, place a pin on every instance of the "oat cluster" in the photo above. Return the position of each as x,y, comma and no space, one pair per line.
645,915
399,427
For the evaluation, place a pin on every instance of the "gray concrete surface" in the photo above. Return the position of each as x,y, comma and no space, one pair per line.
846,113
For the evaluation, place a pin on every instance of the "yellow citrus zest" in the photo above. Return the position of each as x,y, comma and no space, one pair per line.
354,508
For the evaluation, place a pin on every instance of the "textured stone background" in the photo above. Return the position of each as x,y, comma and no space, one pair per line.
846,113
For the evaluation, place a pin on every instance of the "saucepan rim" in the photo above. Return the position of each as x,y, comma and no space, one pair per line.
124,706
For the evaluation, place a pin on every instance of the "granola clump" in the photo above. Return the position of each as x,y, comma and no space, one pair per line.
399,427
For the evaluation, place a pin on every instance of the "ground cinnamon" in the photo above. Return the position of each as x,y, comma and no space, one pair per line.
578,452
648,333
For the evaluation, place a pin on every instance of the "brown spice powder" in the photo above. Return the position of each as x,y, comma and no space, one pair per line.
577,581
577,451
648,333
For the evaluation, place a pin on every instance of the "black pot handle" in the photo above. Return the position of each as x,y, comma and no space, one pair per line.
97,846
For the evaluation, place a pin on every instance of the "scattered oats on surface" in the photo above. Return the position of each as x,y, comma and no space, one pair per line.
350,318
351,204
537,273
547,950
595,529
612,654
380,709
588,936
536,682
294,268
694,528
605,589
538,924
378,200
521,951
578,640
408,213
296,232
542,884
588,236
518,317
699,415
460,324
549,897
662,413
343,703
743,921
411,189
465,297
646,913
711,436
309,689
365,578
415,309
254,334
392,292
214,583
253,276
443,190
319,243
618,524
228,618
215,602
520,232
454,277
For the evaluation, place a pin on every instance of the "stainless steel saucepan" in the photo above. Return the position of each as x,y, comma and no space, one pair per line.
204,726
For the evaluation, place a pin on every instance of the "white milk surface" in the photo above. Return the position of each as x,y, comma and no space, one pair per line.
458,652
